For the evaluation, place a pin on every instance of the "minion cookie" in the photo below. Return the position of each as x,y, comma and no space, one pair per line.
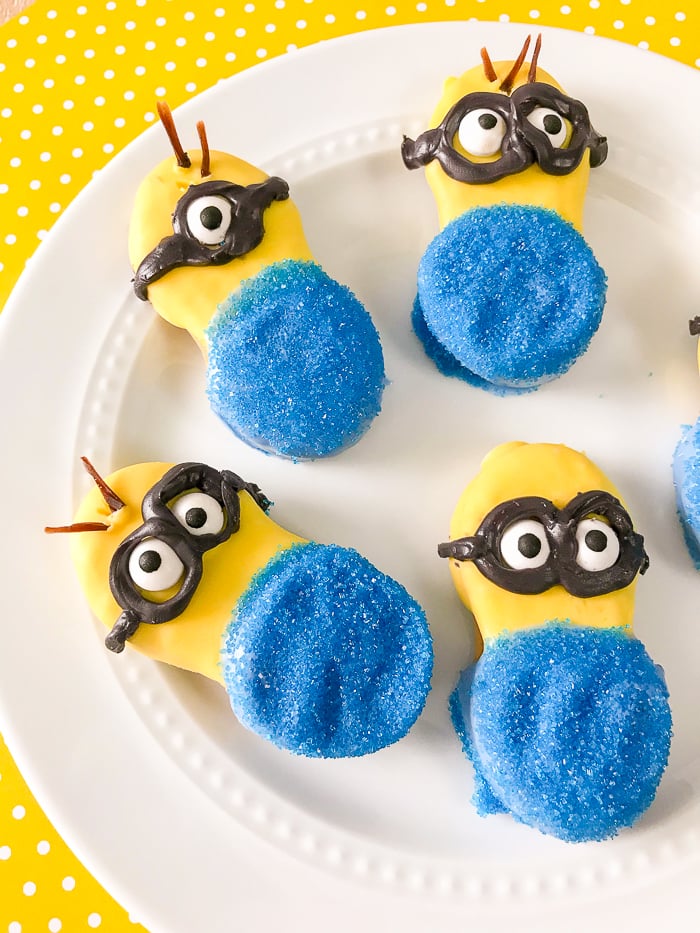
509,292
294,362
564,715
320,653
686,475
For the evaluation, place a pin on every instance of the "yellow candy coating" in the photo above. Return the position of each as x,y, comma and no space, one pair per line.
189,296
563,194
554,472
193,640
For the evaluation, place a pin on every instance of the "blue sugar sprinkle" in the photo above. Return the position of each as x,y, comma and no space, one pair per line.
325,655
686,478
513,292
295,366
568,728
448,364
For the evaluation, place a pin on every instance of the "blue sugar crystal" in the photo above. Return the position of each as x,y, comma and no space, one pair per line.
448,364
512,292
295,366
568,729
686,478
326,656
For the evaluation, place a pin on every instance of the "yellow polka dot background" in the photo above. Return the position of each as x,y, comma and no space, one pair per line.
78,81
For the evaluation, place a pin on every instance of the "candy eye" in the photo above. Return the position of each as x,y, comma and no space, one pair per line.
208,219
524,545
199,513
550,123
154,565
481,132
598,545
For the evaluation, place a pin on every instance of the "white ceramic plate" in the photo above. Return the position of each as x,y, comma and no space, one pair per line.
193,823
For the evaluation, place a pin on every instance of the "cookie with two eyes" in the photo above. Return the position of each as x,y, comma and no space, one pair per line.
563,715
509,293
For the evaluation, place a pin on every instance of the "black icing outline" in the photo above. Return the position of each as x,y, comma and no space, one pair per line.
561,567
523,144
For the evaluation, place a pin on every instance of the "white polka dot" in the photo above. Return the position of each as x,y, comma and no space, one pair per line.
5,112
201,63
209,36
301,24
15,162
675,41
70,33
650,20
108,148
100,30
161,21
89,53
28,888
589,30
14,927
119,49
18,88
230,56
170,66
43,847
504,18
4,188
534,14
271,26
80,80
180,41
81,10
25,134
161,92
240,32
94,920
55,207
421,7
249,8
52,14
643,45
35,184
23,20
111,6
68,883
55,925
189,16
130,25
60,59
41,40
37,108
261,53
219,11
594,4
77,152
291,47
140,71
390,11
19,812
680,17
329,18
57,131
565,10
149,46
11,43
45,157
129,95
280,4
120,122
5,853
618,24
190,87
49,83
68,105
360,15
22,212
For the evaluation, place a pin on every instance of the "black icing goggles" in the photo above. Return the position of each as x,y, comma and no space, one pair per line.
535,124
213,223
528,545
191,510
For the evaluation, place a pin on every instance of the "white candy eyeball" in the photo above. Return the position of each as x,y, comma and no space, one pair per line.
154,565
550,123
481,132
524,545
208,219
598,545
199,513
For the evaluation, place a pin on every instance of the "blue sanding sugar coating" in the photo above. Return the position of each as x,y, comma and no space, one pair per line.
568,728
686,479
513,292
326,656
448,364
295,366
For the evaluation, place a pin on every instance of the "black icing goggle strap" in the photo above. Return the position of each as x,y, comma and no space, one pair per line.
213,223
557,548
165,537
523,143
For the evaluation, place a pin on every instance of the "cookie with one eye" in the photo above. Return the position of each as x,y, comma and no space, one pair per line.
509,293
294,362
564,716
319,652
